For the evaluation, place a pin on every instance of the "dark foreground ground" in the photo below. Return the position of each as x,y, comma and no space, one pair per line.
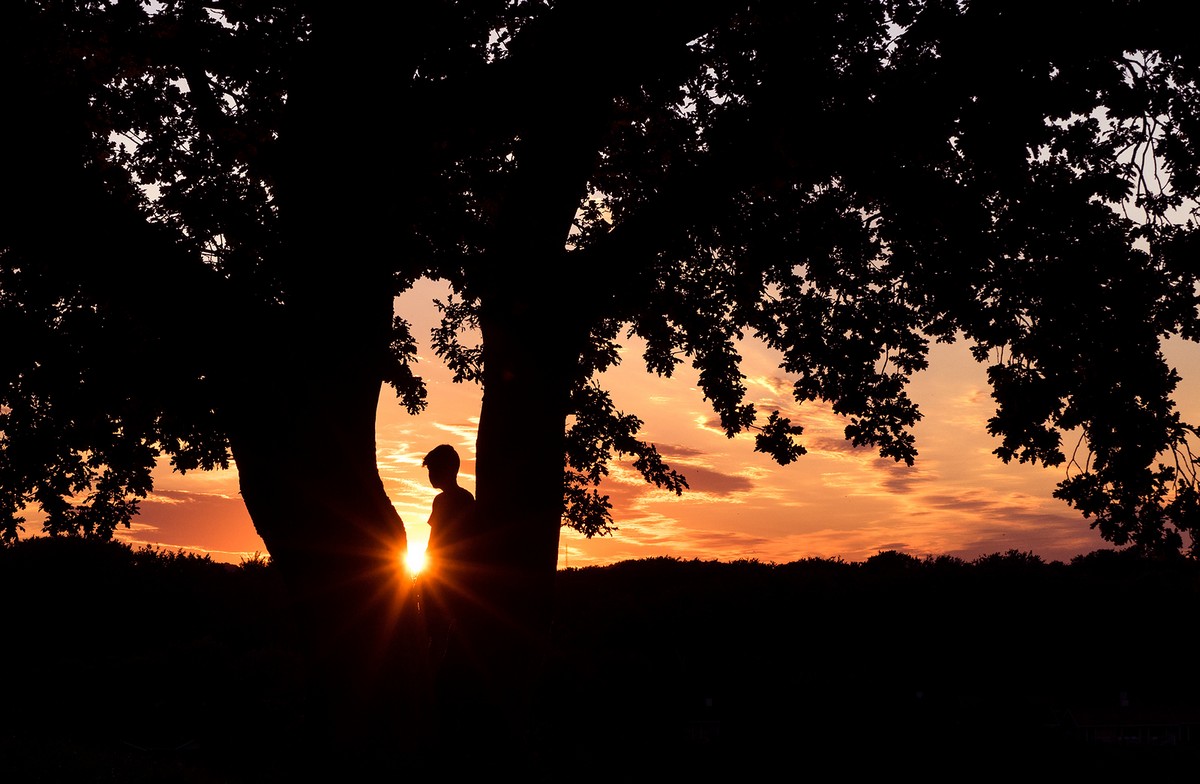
130,667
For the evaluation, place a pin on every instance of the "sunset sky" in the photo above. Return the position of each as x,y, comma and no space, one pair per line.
834,502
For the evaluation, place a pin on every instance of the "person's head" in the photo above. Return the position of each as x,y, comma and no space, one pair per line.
442,462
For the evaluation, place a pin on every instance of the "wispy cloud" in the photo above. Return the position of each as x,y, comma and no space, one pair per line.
214,523
677,451
704,480
463,433
838,445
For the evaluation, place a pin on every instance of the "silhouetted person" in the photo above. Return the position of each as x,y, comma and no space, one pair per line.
447,556
449,601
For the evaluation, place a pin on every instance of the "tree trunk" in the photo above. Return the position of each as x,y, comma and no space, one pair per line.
305,453
519,453
303,432
533,331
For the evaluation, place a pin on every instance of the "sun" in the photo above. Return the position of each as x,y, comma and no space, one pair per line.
414,559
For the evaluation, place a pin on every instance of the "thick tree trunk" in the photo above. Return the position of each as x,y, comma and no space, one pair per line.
520,449
304,424
521,442
534,330
305,454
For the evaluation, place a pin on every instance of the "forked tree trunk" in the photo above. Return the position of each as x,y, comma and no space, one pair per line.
308,469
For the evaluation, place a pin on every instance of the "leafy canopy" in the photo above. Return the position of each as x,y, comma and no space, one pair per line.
845,181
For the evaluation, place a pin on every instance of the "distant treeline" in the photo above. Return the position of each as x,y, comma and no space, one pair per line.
1006,661
696,664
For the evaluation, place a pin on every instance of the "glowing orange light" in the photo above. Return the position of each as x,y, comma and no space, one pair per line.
414,559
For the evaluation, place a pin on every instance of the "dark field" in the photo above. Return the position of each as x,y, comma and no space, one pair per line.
125,666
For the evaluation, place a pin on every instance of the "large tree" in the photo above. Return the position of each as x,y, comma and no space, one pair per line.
213,206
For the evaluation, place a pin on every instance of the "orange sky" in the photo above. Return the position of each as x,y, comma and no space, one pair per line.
834,502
